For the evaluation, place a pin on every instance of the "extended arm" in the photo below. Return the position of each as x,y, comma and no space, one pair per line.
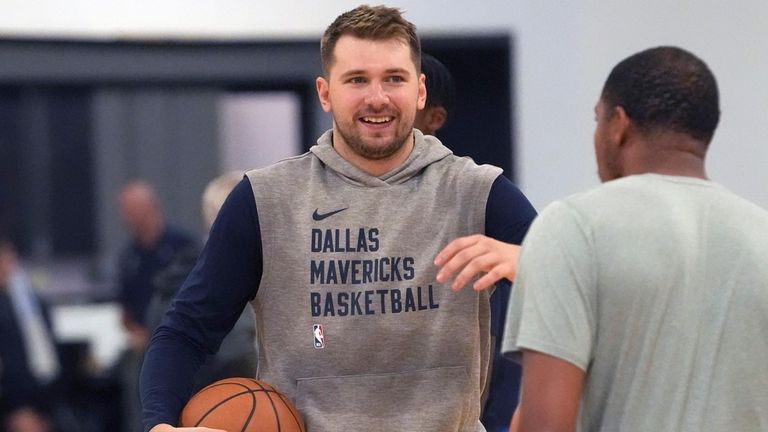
475,254
551,320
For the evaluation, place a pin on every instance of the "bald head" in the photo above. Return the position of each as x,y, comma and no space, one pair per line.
140,211
216,192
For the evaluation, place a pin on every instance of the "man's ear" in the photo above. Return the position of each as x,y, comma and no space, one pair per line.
421,101
322,86
435,117
620,125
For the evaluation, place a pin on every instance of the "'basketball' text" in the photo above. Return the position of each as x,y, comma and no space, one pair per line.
372,302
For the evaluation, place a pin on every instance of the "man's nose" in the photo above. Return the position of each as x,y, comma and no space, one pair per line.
377,95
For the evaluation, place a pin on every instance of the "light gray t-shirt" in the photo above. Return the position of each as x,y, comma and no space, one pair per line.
657,287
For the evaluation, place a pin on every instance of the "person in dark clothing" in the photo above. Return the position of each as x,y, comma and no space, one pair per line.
29,362
153,246
441,94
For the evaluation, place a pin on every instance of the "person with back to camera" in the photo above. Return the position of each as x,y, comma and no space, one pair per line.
340,242
154,245
501,393
642,305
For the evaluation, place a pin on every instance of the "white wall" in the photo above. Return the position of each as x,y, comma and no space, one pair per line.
565,50
257,129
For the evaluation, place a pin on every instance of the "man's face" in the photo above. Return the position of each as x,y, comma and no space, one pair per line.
606,153
133,213
373,92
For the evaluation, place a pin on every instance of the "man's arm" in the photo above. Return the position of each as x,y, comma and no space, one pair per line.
202,313
551,319
551,394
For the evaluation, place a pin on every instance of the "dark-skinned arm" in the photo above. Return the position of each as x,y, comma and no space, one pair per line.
551,394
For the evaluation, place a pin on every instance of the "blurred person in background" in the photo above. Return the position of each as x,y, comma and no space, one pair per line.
441,93
153,247
237,355
29,363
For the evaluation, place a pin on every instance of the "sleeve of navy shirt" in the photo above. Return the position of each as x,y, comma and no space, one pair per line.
508,215
209,302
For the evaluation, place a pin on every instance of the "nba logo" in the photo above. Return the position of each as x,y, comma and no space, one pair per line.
317,331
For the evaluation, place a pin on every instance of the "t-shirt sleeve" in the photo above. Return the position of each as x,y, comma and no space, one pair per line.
552,309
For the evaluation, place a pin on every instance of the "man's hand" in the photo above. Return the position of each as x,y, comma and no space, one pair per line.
474,254
163,427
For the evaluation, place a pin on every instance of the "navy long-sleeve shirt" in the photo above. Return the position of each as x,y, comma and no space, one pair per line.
226,277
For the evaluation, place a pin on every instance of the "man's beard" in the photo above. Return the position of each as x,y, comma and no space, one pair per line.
372,152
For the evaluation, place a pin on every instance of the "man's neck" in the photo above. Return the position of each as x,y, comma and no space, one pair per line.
374,167
671,154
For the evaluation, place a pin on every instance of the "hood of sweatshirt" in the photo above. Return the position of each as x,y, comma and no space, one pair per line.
426,151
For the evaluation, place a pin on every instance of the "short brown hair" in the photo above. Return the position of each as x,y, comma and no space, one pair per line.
370,22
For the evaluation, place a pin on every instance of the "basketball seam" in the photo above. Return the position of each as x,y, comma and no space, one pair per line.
290,410
223,401
283,399
274,409
263,388
253,410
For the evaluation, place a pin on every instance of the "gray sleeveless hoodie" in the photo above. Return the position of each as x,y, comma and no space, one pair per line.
353,326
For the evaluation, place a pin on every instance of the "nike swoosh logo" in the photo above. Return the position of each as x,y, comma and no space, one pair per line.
320,216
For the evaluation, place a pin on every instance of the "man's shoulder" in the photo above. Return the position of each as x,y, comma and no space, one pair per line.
463,170
583,210
284,165
618,192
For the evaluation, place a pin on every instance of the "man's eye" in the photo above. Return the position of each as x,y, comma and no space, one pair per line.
396,79
357,80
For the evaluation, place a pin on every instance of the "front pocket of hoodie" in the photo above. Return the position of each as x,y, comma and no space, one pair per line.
426,400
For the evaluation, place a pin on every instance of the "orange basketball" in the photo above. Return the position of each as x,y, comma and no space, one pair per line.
242,405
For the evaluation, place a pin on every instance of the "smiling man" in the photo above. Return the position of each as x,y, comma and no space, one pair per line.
334,251
373,93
